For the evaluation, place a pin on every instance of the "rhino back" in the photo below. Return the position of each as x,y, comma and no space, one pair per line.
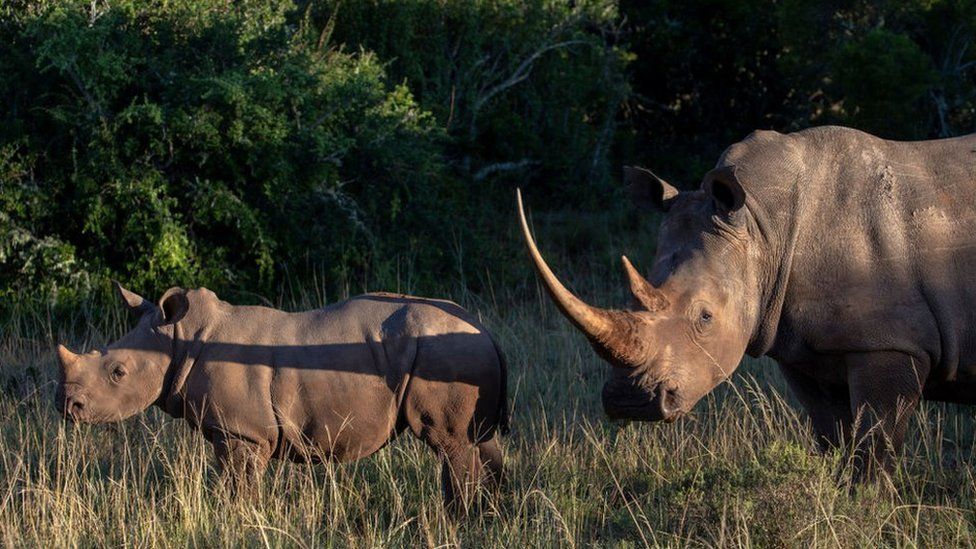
329,383
883,242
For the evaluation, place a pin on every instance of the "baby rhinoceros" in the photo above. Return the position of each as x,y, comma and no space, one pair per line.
336,383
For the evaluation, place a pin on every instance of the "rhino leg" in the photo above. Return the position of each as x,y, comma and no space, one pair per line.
466,468
885,391
241,463
491,461
460,472
828,405
444,418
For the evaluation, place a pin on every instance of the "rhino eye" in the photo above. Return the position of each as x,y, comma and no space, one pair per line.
118,372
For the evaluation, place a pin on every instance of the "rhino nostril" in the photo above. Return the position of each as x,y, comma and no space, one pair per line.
75,407
666,401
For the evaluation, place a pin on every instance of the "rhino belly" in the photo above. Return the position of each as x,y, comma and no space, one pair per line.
332,415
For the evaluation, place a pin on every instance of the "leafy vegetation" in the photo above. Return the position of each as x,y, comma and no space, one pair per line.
707,73
246,145
202,144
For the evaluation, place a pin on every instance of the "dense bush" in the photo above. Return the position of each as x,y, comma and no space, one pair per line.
527,89
199,143
241,144
234,145
707,73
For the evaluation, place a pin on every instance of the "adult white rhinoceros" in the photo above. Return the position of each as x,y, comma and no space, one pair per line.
849,259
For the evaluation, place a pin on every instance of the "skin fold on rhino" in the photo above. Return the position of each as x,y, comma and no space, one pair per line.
336,383
848,259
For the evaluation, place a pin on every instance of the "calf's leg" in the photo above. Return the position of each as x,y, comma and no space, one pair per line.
460,473
491,460
885,390
454,407
241,463
450,431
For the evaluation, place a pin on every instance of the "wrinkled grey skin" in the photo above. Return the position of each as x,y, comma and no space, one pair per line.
849,259
336,383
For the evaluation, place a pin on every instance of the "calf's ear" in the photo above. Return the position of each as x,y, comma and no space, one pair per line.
174,305
137,304
647,190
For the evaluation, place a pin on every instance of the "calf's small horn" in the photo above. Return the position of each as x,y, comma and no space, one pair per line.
66,358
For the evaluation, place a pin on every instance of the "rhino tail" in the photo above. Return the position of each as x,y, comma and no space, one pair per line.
503,425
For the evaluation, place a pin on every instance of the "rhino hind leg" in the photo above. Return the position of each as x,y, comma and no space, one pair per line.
886,388
447,424
491,461
829,408
460,473
471,475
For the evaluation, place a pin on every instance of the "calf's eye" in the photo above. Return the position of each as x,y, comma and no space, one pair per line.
705,316
118,373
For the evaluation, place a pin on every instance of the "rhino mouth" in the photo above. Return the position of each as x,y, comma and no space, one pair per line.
73,406
636,404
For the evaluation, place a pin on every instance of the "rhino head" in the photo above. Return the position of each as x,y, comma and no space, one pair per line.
689,322
128,376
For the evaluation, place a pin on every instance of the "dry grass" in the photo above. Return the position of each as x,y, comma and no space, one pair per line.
740,471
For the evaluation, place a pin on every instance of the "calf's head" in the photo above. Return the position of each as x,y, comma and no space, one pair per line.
689,323
117,382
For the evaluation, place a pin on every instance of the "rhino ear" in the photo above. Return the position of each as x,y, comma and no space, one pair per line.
174,305
137,304
724,188
647,190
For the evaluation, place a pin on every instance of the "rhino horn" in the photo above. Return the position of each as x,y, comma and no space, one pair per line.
611,332
66,357
648,296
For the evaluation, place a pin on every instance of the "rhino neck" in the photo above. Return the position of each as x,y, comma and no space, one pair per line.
777,229
771,169
187,339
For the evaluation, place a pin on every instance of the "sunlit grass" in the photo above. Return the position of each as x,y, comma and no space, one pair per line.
741,470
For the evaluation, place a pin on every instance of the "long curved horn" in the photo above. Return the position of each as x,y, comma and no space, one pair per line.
590,320
612,334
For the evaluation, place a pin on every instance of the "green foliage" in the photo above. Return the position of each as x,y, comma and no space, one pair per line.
241,145
199,143
524,88
884,76
708,73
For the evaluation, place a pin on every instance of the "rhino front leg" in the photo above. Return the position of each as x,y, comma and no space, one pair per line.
829,407
241,464
885,390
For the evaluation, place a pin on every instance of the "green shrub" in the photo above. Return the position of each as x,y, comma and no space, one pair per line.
527,90
885,75
202,143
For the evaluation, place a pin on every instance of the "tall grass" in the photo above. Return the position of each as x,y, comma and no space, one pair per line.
740,471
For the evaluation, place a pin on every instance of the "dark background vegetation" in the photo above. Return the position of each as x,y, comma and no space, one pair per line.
245,145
